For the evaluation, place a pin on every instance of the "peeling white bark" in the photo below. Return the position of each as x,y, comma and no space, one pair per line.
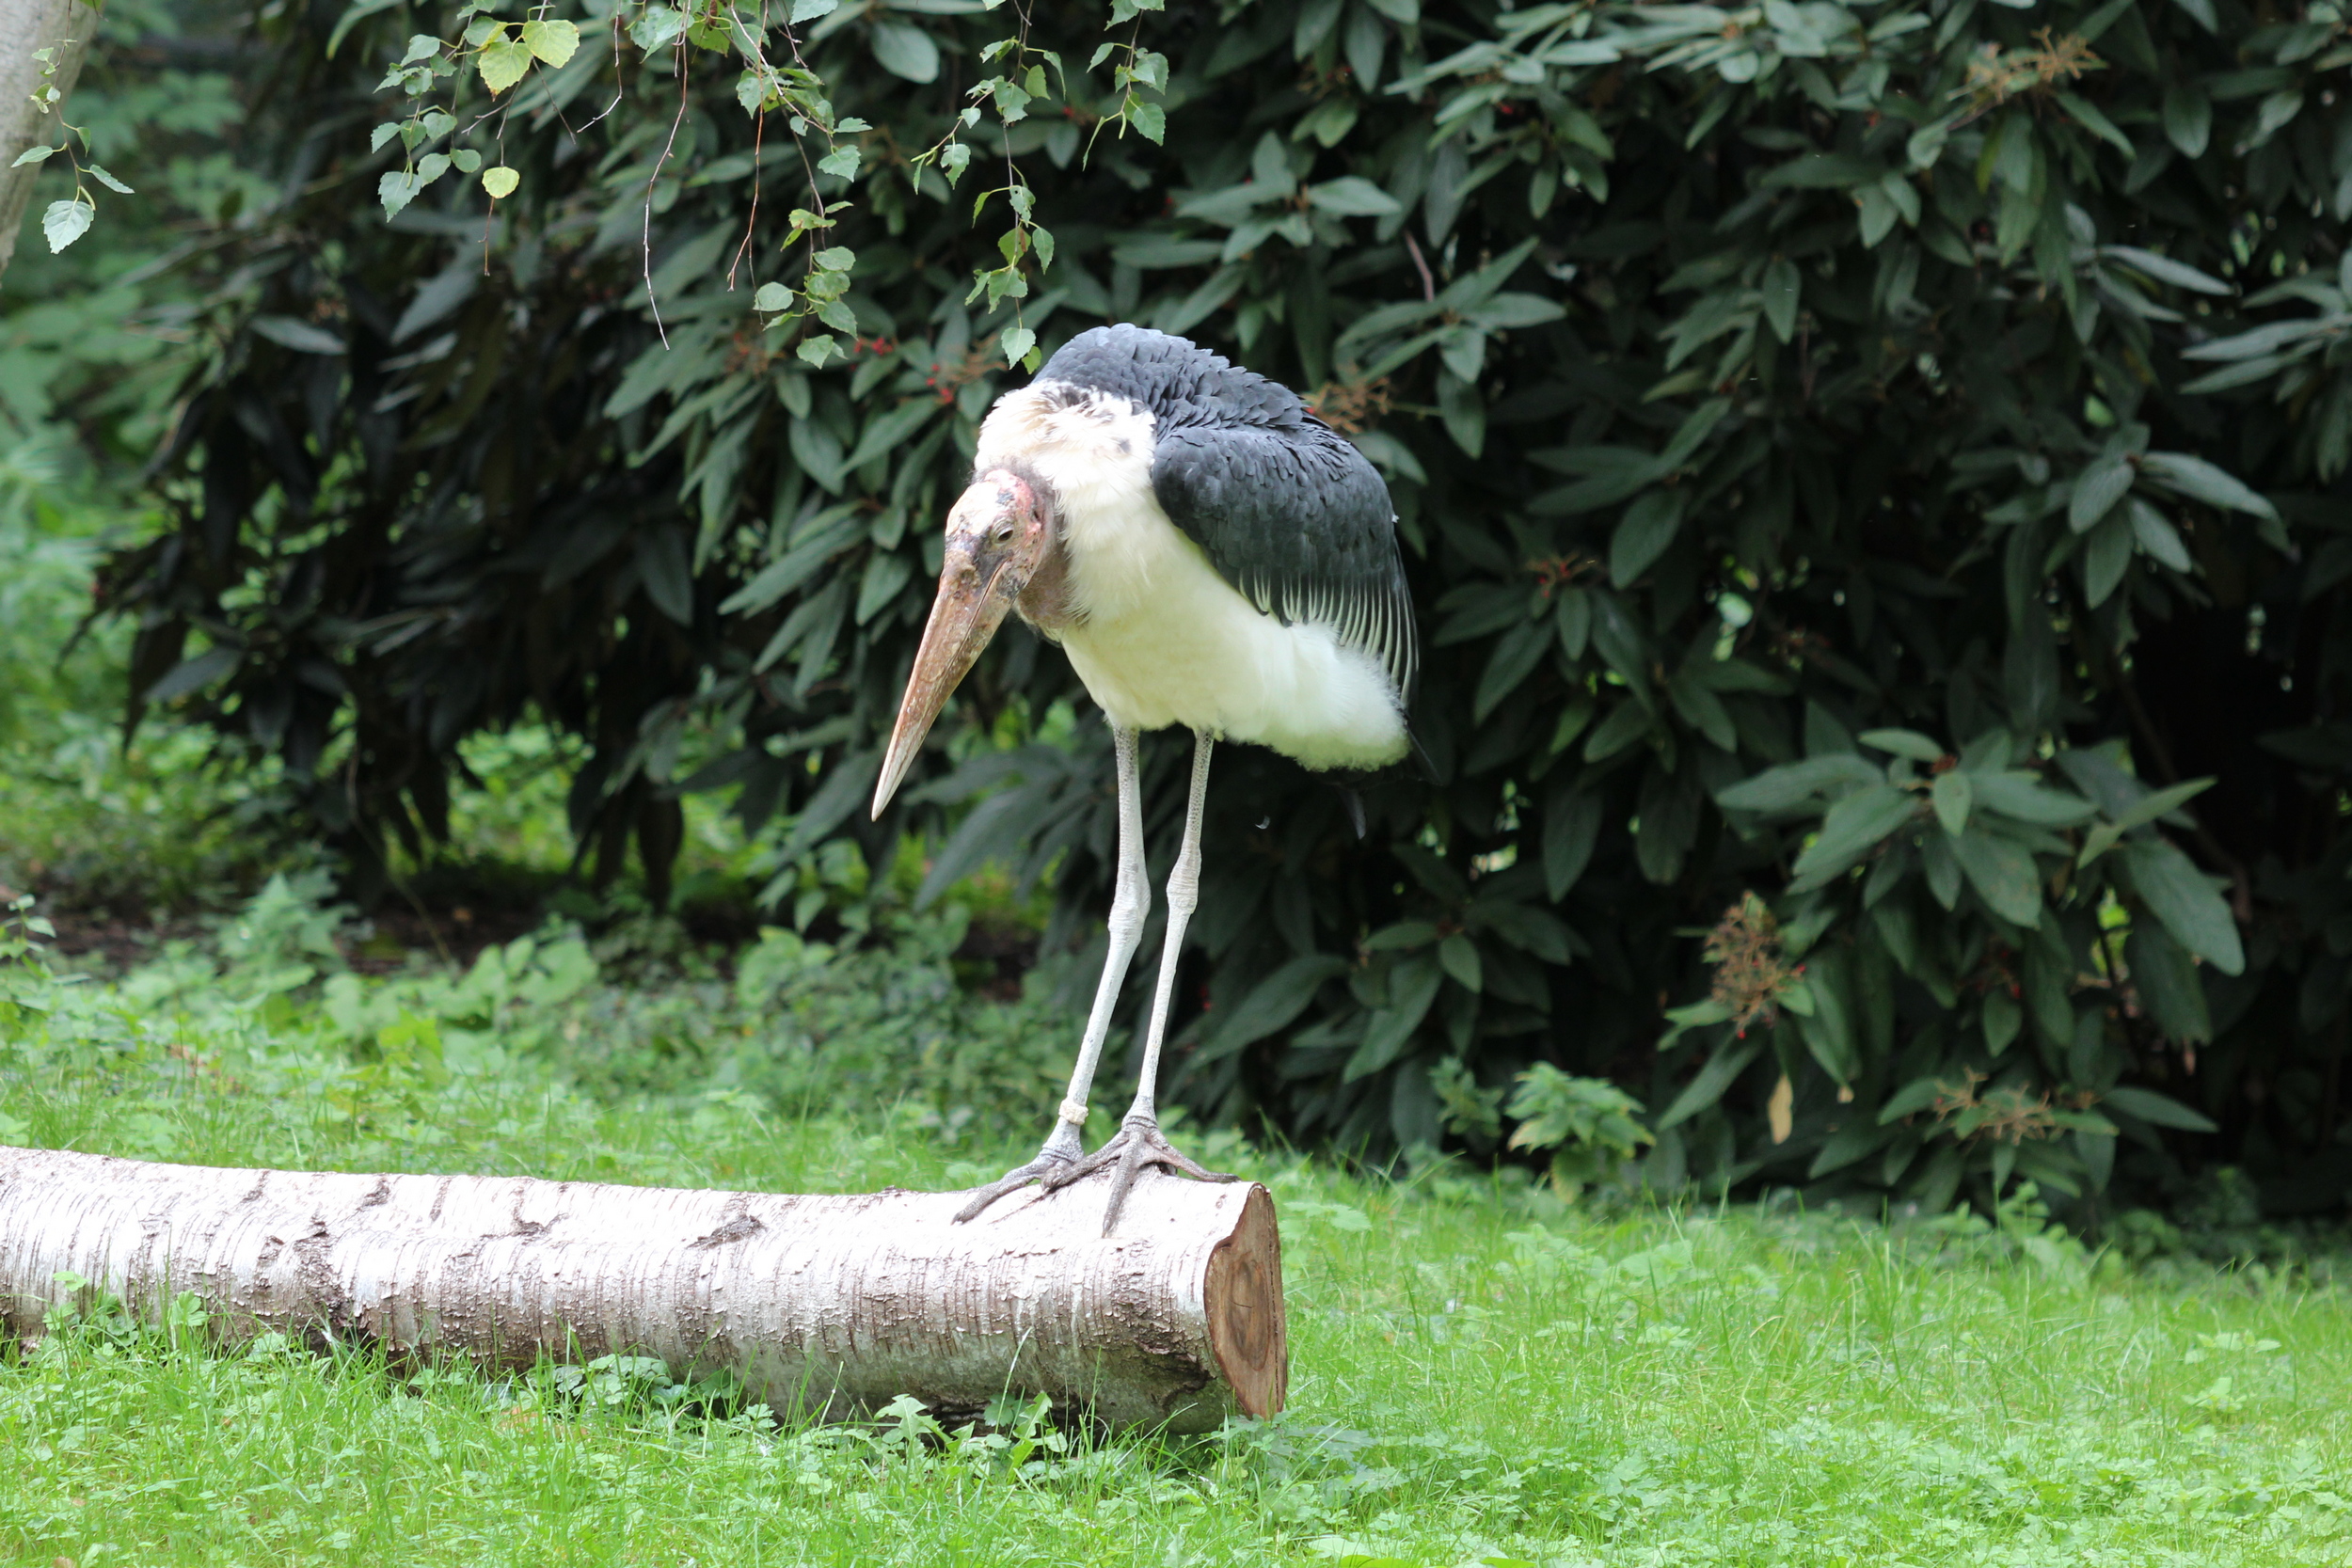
26,27
829,1305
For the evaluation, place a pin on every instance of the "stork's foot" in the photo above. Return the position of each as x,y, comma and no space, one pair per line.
1061,1151
1138,1143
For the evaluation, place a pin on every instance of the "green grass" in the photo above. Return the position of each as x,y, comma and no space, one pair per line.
1479,1371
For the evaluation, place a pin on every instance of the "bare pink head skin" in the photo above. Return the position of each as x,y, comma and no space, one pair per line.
997,537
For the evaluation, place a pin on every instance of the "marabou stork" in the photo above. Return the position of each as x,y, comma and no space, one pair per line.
1209,554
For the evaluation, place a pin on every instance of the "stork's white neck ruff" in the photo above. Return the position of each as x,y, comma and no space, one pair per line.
1157,635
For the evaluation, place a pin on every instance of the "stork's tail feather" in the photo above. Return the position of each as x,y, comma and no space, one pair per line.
1354,804
1421,762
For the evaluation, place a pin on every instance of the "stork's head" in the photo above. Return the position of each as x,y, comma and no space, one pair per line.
997,537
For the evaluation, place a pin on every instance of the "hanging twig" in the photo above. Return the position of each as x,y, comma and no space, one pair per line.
1428,284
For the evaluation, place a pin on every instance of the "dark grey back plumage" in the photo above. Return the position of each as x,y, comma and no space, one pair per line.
1285,509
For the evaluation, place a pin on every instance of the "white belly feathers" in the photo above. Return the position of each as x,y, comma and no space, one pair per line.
1161,639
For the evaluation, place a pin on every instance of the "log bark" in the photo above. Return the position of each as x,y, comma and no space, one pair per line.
821,1306
26,27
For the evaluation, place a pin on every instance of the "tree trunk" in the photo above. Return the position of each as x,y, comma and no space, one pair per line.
819,1305
25,27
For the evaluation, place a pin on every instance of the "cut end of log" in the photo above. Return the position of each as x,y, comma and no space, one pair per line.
1248,1330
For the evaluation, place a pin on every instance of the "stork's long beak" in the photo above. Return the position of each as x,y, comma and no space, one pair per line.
993,537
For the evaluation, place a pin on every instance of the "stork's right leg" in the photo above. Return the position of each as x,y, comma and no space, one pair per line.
1131,900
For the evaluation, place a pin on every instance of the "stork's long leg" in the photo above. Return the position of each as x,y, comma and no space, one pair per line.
1138,1142
1131,900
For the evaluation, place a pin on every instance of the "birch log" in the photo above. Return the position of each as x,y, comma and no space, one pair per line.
823,1305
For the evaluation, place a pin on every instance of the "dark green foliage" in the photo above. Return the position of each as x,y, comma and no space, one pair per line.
89,358
1867,455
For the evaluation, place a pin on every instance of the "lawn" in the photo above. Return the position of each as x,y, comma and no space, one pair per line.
1480,1373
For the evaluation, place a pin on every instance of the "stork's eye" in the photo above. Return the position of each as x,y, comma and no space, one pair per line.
1004,534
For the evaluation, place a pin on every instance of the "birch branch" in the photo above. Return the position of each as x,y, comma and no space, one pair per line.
27,26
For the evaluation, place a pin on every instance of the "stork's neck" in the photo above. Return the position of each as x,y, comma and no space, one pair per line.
1045,602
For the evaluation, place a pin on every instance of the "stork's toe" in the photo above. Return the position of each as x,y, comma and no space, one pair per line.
1138,1143
1043,1168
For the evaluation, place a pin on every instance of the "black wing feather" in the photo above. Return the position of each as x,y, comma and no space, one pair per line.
1285,509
